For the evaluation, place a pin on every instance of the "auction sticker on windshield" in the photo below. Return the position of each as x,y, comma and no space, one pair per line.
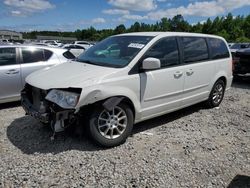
136,45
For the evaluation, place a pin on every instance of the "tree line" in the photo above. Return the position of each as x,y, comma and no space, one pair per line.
233,29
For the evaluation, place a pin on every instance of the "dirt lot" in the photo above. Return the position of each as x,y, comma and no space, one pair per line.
194,147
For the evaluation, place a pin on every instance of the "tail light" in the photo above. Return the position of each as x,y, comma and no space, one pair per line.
235,60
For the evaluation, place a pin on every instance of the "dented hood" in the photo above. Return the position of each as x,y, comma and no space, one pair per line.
71,74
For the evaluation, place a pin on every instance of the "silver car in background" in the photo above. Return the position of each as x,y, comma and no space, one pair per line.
75,49
84,44
18,61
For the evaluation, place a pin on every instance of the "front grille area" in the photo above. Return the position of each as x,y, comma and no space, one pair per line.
34,104
35,95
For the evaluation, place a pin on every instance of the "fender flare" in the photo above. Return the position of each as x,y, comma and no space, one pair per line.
110,103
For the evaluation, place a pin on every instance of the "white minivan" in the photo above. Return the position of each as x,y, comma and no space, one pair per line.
129,78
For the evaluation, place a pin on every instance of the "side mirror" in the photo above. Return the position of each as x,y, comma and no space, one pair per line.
151,63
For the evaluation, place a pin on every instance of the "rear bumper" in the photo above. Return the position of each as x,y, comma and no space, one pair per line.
241,70
241,65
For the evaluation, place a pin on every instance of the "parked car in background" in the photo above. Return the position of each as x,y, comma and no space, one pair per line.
18,61
238,46
74,49
146,75
242,61
5,41
38,44
84,44
230,44
52,43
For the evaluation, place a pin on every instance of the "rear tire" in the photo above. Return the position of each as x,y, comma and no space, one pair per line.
111,128
217,94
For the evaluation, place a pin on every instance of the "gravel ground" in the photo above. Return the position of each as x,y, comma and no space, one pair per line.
194,147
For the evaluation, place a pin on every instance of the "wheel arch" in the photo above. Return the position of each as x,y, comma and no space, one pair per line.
224,79
110,102
220,76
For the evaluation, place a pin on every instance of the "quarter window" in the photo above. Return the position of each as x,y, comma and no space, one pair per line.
7,56
194,49
68,55
166,50
218,49
47,54
32,55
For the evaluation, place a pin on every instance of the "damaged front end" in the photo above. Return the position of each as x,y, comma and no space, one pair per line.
54,107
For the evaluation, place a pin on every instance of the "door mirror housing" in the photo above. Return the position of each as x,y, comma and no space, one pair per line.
151,64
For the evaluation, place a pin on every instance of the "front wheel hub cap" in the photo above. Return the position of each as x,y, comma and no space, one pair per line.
112,124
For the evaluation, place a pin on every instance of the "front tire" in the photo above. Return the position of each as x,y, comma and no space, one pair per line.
111,128
217,94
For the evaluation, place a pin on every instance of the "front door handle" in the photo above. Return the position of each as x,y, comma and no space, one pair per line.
12,71
189,72
178,74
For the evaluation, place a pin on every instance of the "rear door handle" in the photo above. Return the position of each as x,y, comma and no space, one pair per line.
12,71
178,74
190,72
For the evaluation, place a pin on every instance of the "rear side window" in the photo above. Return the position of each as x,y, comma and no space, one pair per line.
7,56
218,48
166,50
68,55
47,54
194,49
31,55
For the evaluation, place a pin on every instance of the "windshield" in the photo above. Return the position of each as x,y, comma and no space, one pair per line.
115,51
239,46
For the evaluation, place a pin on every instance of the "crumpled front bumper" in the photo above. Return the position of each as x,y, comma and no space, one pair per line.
35,105
31,110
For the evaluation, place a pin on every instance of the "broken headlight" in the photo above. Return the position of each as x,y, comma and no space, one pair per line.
64,99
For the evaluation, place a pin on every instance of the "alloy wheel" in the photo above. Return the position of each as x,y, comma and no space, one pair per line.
112,124
218,93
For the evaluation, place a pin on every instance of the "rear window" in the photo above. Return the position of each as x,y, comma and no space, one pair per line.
218,48
79,47
83,43
195,49
68,55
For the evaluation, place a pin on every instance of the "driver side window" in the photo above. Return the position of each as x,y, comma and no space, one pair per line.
166,50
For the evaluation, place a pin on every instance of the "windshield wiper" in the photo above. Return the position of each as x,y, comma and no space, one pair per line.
98,63
86,61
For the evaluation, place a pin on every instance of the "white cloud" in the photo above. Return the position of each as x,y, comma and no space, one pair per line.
204,9
134,17
115,11
26,7
94,21
16,13
232,4
98,21
134,5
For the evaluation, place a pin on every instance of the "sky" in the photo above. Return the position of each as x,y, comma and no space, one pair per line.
69,15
